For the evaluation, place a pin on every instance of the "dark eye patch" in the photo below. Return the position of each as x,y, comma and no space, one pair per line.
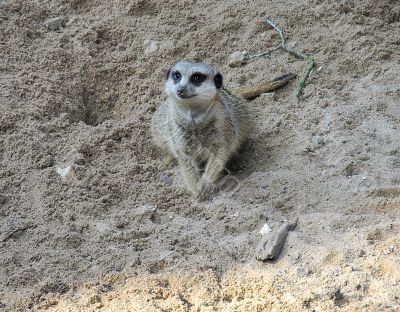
197,78
176,76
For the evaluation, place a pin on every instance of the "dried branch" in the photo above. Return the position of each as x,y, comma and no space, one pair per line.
250,93
305,57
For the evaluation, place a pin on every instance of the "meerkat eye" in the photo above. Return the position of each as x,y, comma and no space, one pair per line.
176,76
198,78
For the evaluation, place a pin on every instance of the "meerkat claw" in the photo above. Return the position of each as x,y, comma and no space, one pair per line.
206,190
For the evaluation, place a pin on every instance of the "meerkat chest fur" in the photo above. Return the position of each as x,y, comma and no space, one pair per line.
196,128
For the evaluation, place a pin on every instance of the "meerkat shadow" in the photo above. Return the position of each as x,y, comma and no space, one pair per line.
238,161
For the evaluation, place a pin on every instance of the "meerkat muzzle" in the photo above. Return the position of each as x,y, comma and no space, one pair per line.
182,93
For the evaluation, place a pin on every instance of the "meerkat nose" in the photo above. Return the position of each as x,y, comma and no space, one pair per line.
181,91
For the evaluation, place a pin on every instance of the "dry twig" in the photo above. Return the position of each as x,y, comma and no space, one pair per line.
309,60
250,93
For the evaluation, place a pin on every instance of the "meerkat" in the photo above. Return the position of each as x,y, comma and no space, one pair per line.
200,124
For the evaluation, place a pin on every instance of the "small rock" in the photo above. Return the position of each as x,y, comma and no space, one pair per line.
374,235
166,179
145,210
303,272
265,229
150,46
270,245
349,269
237,59
102,227
67,174
54,24
388,251
94,299
167,45
337,296
320,141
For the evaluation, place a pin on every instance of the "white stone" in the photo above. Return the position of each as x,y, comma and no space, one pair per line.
67,174
265,229
150,46
237,59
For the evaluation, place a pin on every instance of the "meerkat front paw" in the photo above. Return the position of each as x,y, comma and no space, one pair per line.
168,161
205,191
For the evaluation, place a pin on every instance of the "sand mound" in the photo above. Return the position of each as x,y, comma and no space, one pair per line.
79,81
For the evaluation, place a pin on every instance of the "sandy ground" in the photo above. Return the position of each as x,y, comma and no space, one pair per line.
124,235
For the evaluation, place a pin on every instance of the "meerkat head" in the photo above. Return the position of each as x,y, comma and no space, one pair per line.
192,83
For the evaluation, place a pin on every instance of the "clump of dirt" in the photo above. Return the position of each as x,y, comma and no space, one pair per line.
123,234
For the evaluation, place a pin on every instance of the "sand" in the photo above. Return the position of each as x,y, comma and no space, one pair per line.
79,81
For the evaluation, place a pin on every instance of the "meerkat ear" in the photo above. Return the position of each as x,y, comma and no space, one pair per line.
218,81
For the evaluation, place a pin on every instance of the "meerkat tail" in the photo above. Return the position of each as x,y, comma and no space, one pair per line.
250,93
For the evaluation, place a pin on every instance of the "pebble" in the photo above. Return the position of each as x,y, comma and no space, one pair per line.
349,269
150,46
265,229
237,59
102,227
337,296
54,24
67,174
319,141
166,179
